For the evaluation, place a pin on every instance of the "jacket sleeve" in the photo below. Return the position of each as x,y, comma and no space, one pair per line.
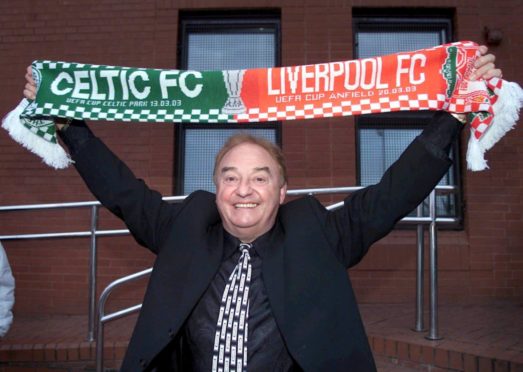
371,213
144,212
7,293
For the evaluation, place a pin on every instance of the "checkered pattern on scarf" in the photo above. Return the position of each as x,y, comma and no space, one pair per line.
480,121
403,102
230,342
142,115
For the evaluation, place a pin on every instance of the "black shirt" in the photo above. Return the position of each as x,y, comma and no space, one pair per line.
266,348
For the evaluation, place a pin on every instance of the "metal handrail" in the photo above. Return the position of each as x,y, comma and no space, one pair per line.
93,233
103,318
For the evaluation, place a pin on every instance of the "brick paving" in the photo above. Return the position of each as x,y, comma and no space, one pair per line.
475,338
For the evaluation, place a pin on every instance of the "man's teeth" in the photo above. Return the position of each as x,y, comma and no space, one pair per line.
245,205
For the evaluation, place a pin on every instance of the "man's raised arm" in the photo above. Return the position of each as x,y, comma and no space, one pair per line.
144,212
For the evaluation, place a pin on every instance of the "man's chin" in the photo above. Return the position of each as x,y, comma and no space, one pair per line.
243,231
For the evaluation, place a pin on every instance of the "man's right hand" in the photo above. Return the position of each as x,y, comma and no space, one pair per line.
30,92
30,85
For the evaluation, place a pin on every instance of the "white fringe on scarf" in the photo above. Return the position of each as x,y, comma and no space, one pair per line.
52,154
506,114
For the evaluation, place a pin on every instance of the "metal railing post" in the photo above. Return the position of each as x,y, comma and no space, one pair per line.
420,273
100,345
433,327
102,317
92,274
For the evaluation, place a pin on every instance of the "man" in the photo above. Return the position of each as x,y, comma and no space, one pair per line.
241,280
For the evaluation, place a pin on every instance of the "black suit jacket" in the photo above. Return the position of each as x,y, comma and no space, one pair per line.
304,270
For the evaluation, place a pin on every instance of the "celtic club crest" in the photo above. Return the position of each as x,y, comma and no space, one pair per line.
37,77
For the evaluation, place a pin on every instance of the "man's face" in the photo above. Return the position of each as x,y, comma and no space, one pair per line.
249,191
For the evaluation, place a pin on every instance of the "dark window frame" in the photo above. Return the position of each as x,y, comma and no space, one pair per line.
394,19
230,21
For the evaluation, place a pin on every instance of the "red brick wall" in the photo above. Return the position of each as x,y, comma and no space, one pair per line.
484,262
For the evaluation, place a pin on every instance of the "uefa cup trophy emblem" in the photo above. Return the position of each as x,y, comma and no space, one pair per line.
233,80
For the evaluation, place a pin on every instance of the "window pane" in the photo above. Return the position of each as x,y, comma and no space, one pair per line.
201,147
375,43
379,148
225,51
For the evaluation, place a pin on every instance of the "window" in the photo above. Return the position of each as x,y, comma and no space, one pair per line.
382,138
218,41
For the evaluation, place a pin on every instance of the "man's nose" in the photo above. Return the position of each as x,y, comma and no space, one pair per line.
244,188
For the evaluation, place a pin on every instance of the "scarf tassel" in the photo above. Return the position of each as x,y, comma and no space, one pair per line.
506,114
51,153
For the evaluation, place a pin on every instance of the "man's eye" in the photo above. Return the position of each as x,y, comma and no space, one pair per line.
230,179
260,180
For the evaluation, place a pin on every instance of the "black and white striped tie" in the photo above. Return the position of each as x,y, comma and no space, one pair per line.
230,341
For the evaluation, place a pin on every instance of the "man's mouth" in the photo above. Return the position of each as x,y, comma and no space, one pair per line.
245,205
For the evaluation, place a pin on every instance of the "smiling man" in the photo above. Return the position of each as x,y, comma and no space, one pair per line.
242,280
250,186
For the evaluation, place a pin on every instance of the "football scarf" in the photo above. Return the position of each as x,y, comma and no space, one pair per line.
428,79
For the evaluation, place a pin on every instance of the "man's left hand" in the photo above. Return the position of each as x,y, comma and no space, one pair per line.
485,67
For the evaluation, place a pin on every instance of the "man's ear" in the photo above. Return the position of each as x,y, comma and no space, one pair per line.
283,192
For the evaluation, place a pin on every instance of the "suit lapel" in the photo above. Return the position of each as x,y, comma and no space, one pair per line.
274,275
206,259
